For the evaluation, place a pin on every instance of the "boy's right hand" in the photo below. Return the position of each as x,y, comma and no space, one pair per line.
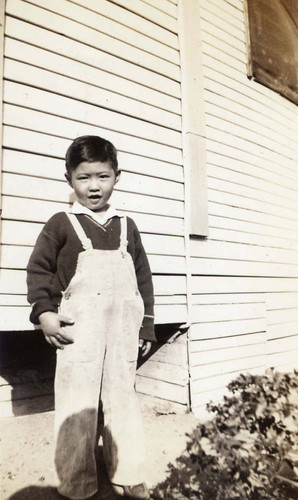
52,327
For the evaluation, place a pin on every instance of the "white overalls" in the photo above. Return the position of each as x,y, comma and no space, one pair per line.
105,304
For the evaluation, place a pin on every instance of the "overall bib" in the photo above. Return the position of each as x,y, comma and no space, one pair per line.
103,300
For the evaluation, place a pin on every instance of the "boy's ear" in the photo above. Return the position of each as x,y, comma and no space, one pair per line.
68,178
118,173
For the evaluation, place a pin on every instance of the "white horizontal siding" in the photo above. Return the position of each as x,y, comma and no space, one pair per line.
245,281
55,20
104,62
65,75
110,69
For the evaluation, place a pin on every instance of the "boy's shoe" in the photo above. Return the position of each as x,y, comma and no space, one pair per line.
137,491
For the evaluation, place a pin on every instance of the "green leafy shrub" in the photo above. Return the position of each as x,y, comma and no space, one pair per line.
245,449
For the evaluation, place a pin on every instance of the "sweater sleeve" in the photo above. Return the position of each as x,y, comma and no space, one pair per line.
41,269
145,285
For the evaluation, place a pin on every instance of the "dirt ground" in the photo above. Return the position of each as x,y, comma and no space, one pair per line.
26,470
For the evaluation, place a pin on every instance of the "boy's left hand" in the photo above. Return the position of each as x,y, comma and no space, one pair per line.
144,347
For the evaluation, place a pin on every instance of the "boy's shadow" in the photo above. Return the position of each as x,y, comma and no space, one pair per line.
50,493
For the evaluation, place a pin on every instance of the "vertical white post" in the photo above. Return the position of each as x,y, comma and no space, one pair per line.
2,18
193,115
193,140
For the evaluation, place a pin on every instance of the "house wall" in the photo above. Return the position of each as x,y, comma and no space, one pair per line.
113,68
245,275
106,68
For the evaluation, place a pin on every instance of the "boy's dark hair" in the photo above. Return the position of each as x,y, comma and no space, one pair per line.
90,148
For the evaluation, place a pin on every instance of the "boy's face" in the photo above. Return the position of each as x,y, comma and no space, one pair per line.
93,184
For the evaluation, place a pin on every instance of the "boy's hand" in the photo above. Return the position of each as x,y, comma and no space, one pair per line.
144,347
52,327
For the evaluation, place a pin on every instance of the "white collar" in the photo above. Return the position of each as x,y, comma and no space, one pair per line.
101,217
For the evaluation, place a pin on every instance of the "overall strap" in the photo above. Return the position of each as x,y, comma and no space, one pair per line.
123,235
86,242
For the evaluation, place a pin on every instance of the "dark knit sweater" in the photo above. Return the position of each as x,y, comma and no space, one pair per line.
54,258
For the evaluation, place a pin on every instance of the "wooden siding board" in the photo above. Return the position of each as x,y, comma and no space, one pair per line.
201,346
282,345
210,14
281,300
75,95
247,213
135,21
245,146
252,239
149,12
225,12
228,250
284,361
82,72
253,135
230,10
166,7
240,284
221,267
235,353
215,47
282,330
164,371
204,396
231,298
33,121
214,330
90,17
251,96
216,147
237,113
228,312
161,389
72,29
220,368
252,232
280,315
269,184
76,51
245,197
217,32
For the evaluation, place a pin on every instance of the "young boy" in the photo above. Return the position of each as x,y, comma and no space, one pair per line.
90,286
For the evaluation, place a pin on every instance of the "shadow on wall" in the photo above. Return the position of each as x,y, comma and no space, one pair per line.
27,368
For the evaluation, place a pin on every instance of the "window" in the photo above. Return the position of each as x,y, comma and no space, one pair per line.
273,40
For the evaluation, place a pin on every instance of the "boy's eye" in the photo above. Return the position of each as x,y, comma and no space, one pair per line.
104,176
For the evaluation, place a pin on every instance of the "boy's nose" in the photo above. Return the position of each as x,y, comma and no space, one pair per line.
94,186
